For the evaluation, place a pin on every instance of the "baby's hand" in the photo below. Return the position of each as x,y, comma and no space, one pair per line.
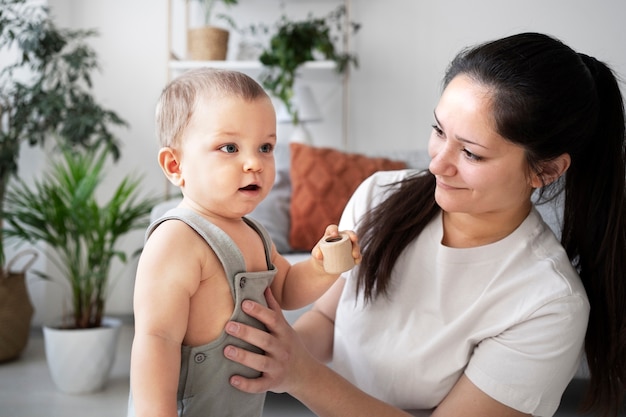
339,251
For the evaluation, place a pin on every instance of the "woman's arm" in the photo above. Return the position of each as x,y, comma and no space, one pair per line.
316,327
288,366
468,400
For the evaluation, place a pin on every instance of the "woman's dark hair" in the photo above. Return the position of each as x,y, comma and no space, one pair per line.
550,100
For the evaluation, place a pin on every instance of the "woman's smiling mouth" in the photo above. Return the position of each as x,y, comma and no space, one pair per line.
446,186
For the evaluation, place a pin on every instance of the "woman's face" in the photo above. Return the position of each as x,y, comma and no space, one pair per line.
478,172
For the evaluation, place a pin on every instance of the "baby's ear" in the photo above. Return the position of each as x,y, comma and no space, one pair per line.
551,170
169,161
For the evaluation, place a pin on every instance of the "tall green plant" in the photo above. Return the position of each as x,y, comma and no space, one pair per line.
61,209
47,91
297,42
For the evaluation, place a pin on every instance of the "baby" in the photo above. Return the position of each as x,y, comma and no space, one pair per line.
217,131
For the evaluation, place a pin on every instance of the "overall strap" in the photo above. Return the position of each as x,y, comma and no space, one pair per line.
226,250
265,237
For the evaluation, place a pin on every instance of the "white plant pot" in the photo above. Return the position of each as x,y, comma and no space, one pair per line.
80,360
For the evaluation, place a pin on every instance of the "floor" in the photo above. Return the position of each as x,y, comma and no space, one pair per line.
26,389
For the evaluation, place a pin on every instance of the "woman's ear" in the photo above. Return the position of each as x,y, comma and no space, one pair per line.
551,171
169,160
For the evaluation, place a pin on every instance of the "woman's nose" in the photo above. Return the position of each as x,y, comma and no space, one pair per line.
441,162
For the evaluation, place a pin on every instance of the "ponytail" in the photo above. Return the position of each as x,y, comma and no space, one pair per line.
595,239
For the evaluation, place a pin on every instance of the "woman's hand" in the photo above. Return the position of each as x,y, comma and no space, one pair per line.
287,366
285,357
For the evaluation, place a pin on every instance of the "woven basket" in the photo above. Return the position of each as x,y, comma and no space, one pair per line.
207,43
16,309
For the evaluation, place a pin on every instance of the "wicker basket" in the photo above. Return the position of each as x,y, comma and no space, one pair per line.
16,309
207,43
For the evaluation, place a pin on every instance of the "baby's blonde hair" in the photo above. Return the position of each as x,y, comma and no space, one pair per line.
178,99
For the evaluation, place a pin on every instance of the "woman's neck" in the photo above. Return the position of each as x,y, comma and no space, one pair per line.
462,230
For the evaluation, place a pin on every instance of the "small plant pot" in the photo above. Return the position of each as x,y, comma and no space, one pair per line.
207,43
80,360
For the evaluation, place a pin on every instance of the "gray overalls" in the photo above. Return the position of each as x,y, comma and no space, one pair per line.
204,389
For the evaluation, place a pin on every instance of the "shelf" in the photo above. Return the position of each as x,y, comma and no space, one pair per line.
234,65
248,67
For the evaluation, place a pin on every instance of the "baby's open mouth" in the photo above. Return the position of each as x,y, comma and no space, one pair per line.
251,187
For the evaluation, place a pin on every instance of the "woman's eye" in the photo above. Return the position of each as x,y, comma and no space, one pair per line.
438,131
266,148
471,156
229,148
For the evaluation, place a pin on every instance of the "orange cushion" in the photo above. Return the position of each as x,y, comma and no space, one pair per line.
322,182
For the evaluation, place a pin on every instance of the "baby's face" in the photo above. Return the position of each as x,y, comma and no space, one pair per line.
227,155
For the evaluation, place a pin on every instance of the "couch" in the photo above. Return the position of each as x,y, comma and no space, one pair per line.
312,187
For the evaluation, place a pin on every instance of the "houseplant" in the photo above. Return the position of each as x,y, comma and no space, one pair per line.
45,93
62,210
297,42
208,42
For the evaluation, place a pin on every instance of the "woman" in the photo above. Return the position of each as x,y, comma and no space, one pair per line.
466,303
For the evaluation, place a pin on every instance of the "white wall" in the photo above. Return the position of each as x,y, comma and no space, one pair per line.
406,45
403,47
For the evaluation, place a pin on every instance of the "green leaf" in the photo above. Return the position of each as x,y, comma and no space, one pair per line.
294,44
57,102
61,210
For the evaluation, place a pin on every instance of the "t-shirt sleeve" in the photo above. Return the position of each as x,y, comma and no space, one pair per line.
371,192
528,366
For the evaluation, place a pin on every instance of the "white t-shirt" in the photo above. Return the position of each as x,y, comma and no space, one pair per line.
512,315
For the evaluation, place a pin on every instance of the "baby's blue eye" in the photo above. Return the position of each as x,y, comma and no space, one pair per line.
229,148
267,148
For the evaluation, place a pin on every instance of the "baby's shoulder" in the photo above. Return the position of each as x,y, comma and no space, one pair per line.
176,242
172,233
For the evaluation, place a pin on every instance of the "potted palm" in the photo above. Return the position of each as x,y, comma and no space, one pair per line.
208,42
296,42
81,234
45,93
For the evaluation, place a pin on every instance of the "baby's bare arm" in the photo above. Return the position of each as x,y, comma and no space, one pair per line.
161,307
300,284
